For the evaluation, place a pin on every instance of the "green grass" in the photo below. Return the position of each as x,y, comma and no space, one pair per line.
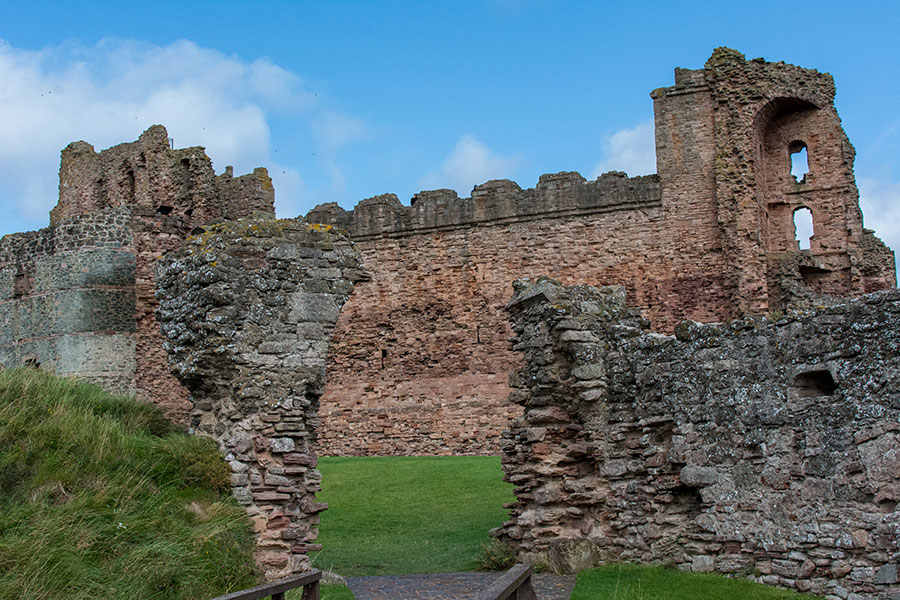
408,514
635,582
100,497
327,592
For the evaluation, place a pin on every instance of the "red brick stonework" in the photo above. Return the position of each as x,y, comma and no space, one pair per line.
420,357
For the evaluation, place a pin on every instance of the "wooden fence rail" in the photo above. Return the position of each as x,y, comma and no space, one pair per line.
275,590
515,584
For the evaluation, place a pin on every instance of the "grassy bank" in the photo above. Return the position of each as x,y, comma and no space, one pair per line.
101,498
408,514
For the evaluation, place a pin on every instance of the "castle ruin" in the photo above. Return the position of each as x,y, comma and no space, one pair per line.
77,298
419,358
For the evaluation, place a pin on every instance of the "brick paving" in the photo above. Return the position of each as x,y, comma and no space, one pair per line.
450,586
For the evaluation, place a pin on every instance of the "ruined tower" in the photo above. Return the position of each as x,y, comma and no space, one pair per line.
78,296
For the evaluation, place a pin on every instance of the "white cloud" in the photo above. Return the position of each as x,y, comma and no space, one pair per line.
631,150
470,164
110,92
334,130
880,203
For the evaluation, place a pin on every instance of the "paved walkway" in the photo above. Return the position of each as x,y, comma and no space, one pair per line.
450,586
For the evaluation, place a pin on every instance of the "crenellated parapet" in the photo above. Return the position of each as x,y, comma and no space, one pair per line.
494,202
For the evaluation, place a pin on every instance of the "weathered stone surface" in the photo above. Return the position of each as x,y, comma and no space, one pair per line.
255,363
755,445
78,297
420,356
420,353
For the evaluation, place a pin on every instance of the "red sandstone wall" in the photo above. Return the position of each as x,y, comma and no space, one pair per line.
419,358
421,355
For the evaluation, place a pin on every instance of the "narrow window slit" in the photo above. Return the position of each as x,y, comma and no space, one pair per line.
799,161
803,227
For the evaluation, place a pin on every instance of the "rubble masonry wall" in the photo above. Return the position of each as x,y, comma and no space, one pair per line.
765,447
248,308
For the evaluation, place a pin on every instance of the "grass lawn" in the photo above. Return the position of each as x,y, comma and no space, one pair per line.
328,591
400,515
431,514
636,582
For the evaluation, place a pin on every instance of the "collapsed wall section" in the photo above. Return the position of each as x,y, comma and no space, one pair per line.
754,447
67,299
248,309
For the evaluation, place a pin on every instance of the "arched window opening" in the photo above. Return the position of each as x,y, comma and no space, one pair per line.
803,227
799,161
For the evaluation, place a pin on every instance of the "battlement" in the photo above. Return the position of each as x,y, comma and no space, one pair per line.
496,201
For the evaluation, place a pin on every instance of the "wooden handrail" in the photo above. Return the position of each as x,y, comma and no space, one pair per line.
515,584
308,580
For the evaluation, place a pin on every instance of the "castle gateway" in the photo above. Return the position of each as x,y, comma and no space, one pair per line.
420,356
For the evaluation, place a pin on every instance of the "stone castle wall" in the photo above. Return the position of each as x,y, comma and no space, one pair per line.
248,309
67,299
78,296
420,354
761,446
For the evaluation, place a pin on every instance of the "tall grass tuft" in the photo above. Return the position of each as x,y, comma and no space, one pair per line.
101,497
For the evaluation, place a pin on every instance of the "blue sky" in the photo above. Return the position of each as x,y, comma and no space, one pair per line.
346,100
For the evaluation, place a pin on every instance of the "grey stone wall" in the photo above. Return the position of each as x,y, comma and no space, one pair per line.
248,309
77,297
67,299
764,447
